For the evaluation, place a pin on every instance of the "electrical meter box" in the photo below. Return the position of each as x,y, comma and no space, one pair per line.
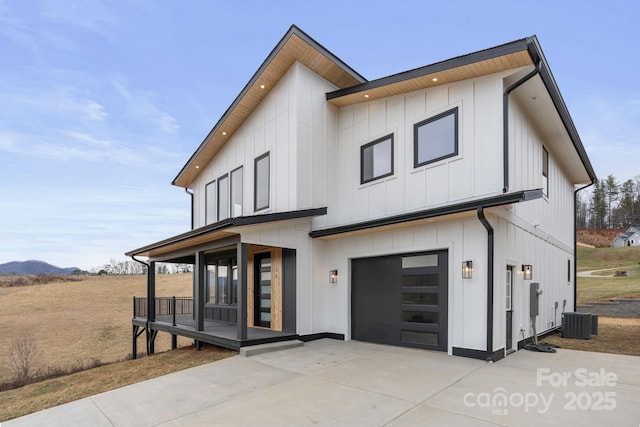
534,293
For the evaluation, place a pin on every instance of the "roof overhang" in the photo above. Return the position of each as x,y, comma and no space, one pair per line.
447,212
510,56
216,231
296,45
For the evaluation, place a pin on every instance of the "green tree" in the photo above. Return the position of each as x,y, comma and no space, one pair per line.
611,189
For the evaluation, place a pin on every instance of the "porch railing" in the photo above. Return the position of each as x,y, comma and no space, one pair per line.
177,310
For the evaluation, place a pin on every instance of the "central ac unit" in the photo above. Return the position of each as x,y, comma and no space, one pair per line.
576,325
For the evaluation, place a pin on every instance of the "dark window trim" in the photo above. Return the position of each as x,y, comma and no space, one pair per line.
231,213
226,175
371,144
206,202
229,261
257,208
545,171
437,117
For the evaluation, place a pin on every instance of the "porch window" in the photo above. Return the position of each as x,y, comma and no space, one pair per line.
435,138
210,202
222,281
236,192
211,283
261,182
223,197
376,159
545,172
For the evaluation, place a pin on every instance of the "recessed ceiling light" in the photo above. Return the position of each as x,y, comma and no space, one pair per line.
366,96
435,79
197,167
224,133
261,86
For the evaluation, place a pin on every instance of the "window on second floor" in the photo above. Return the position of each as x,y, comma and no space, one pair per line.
223,197
261,182
545,172
376,159
210,202
236,192
435,138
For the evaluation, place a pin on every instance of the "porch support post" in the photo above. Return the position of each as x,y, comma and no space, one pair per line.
151,304
241,321
200,274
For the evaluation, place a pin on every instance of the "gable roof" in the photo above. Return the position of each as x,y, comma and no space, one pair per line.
353,88
296,45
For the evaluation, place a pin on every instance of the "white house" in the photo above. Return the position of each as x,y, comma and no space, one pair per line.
631,237
412,210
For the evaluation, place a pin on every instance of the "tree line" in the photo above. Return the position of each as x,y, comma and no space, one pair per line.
609,205
116,268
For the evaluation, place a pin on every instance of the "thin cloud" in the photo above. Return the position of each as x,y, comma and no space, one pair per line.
93,16
140,105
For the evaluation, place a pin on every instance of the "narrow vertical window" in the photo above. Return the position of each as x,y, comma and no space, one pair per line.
223,197
223,283
568,270
376,159
210,202
545,172
261,182
236,192
211,283
435,138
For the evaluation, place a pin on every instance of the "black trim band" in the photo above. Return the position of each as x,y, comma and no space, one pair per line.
503,199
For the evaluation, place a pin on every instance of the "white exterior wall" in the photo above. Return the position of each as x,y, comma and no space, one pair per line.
290,123
554,214
475,172
517,244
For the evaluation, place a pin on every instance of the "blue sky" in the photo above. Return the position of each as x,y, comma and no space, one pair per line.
102,102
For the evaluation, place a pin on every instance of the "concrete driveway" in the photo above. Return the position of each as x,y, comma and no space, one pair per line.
330,382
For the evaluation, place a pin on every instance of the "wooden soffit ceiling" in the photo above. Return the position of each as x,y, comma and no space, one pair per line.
295,46
431,76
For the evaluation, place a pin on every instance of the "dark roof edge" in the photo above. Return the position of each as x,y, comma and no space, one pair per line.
502,199
231,222
458,61
293,30
535,50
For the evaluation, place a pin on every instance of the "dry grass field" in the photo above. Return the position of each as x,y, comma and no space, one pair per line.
75,323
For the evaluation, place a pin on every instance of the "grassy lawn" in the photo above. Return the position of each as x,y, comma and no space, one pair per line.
604,288
598,258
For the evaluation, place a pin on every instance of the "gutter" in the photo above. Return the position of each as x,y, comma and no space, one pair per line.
505,123
190,193
575,245
490,272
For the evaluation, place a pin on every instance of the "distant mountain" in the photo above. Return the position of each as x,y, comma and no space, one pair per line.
33,267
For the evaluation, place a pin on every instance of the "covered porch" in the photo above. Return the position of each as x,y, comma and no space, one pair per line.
243,294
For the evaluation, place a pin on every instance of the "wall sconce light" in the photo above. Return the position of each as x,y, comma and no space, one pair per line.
527,271
467,269
333,276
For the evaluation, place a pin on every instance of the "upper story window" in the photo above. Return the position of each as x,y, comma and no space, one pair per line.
545,172
376,159
261,182
210,202
236,192
223,197
435,138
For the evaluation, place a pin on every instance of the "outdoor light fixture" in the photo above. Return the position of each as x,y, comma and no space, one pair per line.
527,271
467,269
333,276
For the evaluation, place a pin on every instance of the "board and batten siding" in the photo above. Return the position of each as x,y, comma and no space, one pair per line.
475,172
290,124
554,214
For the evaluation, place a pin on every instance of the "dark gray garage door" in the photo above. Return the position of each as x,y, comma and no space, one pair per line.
400,300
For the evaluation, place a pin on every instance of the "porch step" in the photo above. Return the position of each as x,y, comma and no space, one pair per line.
252,350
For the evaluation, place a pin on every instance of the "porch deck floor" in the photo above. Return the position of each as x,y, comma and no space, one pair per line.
216,332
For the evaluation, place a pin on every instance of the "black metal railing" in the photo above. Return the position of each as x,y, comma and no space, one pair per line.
177,310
